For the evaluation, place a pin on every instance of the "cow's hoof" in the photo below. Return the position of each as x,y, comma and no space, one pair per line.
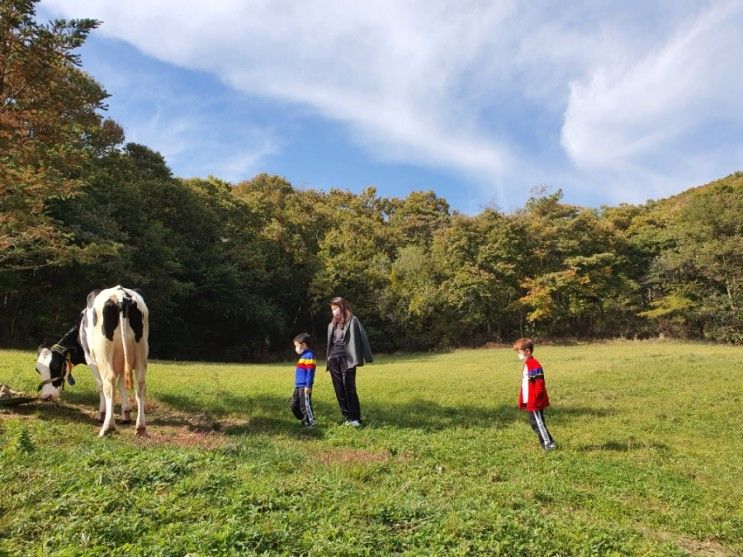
141,432
101,417
127,417
105,432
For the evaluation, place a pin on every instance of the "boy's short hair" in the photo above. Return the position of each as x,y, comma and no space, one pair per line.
303,338
524,344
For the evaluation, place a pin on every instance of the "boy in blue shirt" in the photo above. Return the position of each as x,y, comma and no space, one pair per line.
304,377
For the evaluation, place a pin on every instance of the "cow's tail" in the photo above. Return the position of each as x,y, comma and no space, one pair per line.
126,335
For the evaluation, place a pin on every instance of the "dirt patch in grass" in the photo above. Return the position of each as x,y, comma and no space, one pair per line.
351,456
167,426
181,437
694,547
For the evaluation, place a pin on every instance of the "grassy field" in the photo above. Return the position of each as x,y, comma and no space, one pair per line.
648,460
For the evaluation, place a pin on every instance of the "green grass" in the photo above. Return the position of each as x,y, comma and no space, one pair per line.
648,460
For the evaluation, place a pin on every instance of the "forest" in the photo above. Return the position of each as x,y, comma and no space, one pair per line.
232,271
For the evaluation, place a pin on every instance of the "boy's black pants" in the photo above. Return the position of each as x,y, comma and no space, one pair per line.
301,405
344,384
536,419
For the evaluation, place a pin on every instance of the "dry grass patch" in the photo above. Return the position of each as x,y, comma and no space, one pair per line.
351,456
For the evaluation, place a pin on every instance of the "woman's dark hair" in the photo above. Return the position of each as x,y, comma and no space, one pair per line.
344,315
303,338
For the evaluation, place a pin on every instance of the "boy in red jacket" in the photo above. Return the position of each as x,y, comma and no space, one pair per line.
533,393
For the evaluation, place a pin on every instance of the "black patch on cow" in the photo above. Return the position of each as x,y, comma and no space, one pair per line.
57,368
91,297
130,311
89,305
70,343
110,318
135,320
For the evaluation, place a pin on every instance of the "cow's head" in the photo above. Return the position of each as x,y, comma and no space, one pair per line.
51,363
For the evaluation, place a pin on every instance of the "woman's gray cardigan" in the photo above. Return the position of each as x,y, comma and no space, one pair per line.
358,350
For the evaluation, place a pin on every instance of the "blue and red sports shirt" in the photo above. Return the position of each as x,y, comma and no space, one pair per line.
304,376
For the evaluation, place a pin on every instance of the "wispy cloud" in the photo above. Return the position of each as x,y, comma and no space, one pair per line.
629,107
512,93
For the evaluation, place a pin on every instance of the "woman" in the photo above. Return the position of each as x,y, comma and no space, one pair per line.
348,347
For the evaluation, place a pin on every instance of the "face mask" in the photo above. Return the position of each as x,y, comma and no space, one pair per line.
522,356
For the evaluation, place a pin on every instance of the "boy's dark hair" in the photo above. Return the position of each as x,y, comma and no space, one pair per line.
524,344
303,338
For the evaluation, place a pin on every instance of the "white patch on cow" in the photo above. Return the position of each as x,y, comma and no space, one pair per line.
48,391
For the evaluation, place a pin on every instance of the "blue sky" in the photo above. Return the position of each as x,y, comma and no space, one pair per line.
479,101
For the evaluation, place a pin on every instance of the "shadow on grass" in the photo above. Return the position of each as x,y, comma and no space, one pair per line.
61,411
270,414
232,414
623,446
433,416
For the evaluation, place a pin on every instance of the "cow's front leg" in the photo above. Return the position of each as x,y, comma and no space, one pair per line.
126,405
108,393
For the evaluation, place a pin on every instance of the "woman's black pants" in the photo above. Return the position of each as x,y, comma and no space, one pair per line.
344,383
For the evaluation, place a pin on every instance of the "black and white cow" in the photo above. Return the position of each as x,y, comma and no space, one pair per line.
112,339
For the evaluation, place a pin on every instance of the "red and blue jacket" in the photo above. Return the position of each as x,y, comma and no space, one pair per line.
304,376
533,391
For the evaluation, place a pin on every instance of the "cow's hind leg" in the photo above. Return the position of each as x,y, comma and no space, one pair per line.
108,393
126,405
99,387
141,390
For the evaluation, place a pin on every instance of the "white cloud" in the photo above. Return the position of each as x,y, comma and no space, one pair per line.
624,109
194,142
388,70
600,87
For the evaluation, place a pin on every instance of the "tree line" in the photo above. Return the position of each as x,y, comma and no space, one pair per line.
233,271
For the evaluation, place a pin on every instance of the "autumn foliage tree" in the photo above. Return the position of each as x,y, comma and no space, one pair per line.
49,128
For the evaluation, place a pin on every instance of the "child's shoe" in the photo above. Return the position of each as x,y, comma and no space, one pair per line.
550,446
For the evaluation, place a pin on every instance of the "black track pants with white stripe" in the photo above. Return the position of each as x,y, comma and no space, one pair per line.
301,406
536,419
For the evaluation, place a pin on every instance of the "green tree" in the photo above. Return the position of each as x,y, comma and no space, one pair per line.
354,258
695,280
580,283
416,218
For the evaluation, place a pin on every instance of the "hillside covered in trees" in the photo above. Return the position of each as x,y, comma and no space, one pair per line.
233,271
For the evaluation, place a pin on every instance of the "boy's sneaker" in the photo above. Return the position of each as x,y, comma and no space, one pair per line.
353,423
550,446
